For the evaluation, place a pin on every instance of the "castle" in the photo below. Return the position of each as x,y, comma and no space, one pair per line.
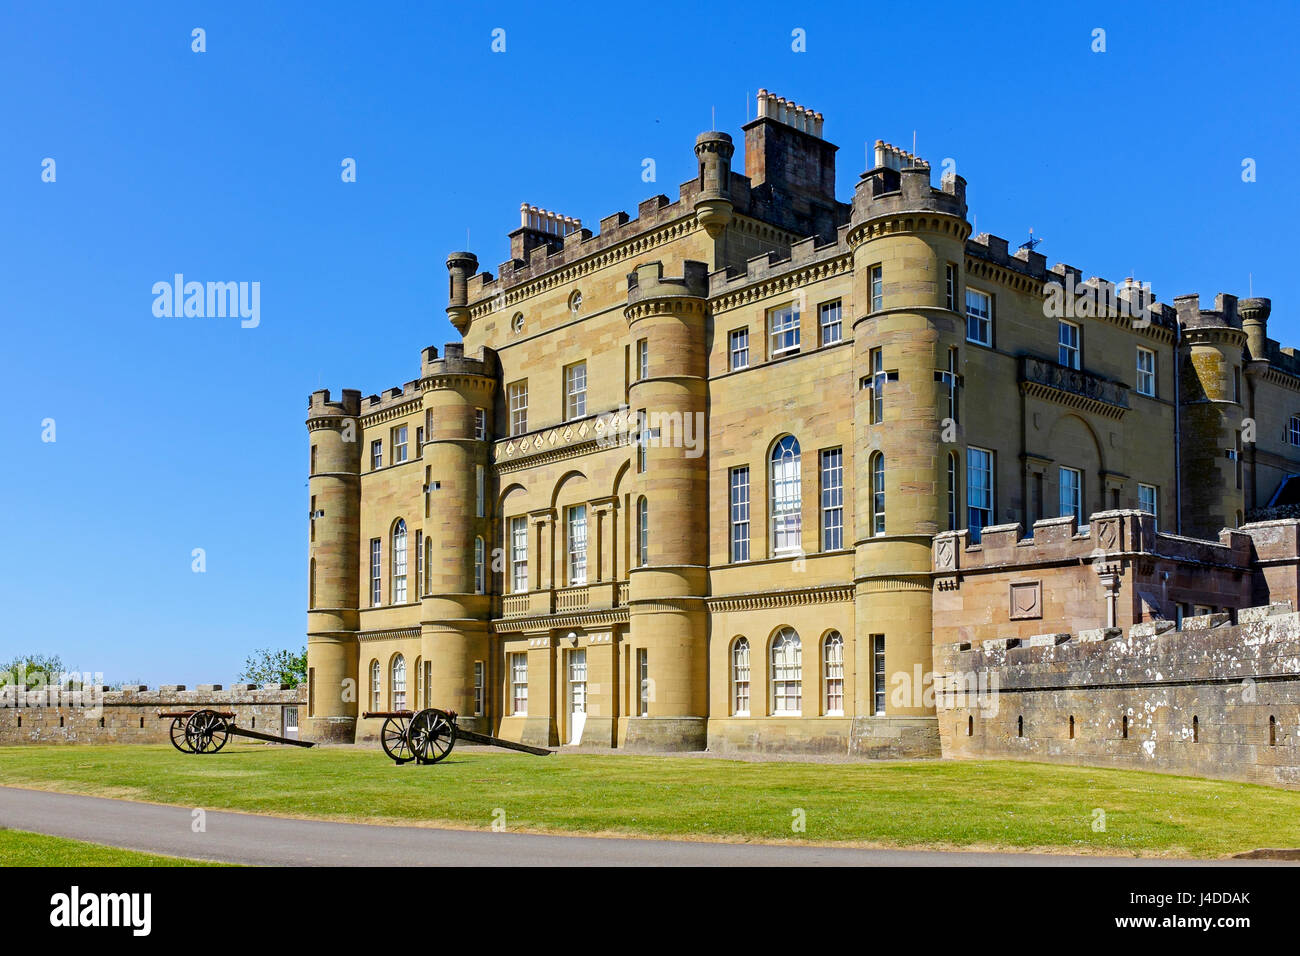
742,471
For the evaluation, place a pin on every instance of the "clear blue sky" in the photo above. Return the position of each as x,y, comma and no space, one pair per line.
175,434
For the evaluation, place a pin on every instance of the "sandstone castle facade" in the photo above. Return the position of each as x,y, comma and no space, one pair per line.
742,471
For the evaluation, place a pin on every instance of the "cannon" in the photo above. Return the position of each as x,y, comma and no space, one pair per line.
207,731
428,736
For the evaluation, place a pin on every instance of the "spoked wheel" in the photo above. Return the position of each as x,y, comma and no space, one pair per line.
179,740
395,738
206,732
433,734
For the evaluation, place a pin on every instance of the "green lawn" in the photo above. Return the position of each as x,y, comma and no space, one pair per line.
19,848
915,804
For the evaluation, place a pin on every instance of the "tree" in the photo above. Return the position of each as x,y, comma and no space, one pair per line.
266,666
32,670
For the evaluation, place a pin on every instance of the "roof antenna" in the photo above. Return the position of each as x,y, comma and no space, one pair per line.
914,161
1250,283
714,114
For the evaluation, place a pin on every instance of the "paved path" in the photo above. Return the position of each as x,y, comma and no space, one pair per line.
277,841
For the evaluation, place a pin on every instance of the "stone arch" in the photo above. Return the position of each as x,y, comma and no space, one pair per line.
1072,442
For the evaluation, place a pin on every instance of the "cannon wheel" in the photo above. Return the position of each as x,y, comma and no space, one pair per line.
179,740
206,732
432,735
395,738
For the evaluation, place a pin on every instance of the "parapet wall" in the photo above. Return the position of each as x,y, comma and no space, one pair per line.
1213,699
130,716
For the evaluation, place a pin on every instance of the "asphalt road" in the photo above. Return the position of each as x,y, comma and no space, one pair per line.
278,841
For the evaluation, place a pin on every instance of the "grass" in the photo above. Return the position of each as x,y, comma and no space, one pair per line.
20,848
949,804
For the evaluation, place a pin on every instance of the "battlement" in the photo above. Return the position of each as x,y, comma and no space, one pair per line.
804,253
1106,537
900,182
319,404
454,361
649,282
1223,315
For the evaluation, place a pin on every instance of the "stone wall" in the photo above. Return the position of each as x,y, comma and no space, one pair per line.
129,716
1213,699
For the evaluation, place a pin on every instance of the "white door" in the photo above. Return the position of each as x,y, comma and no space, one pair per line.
289,723
577,694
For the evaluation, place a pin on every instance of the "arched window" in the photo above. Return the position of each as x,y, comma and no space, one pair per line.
399,562
398,691
311,584
1196,729
376,687
833,673
787,672
642,532
740,677
877,493
787,498
479,570
1072,726
421,698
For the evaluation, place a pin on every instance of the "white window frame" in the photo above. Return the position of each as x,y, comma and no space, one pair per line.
480,424
877,278
786,494
1293,430
376,685
397,676
783,330
517,400
519,685
643,681
879,683
642,532
833,674
419,563
1146,377
399,562
1070,496
740,672
979,310
519,554
399,444
479,686
974,470
376,572
830,319
877,469
1069,349
575,391
575,524
480,491
642,359
376,454
1152,493
738,482
738,348
876,365
832,498
480,566
787,673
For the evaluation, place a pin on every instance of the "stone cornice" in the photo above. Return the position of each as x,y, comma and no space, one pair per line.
981,269
1073,388
906,221
550,622
762,600
390,633
391,413
456,380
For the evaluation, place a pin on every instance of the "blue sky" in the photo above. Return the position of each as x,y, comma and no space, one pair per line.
174,434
